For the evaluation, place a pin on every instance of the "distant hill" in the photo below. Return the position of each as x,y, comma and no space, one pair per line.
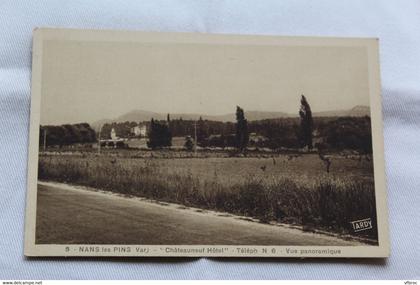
357,111
142,115
139,116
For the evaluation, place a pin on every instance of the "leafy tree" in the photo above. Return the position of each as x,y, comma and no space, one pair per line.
348,133
87,134
306,123
276,133
242,135
159,135
67,134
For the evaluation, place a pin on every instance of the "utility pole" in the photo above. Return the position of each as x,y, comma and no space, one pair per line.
195,138
45,139
99,140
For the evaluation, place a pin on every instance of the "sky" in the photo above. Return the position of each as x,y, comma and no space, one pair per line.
85,81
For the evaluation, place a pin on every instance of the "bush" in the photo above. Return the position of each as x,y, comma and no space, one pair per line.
188,145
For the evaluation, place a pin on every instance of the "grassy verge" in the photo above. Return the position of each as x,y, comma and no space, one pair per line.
323,203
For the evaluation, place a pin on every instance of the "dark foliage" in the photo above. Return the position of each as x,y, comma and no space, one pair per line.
188,145
348,133
66,134
221,141
306,123
159,135
278,133
336,133
242,135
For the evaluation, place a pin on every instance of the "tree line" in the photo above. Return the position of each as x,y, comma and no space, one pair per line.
335,133
66,134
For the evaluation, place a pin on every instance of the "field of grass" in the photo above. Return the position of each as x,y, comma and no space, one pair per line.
279,188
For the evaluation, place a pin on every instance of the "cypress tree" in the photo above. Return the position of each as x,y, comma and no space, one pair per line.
306,123
242,135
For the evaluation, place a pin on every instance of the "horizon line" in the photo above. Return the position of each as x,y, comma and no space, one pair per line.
287,115
225,114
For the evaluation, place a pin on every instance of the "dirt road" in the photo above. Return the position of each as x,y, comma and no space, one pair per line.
73,215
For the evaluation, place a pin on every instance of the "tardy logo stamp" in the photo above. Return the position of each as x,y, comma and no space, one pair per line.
362,225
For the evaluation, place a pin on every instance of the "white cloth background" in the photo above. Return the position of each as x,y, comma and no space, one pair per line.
396,23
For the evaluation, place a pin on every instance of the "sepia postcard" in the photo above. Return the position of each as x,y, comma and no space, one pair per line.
183,144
